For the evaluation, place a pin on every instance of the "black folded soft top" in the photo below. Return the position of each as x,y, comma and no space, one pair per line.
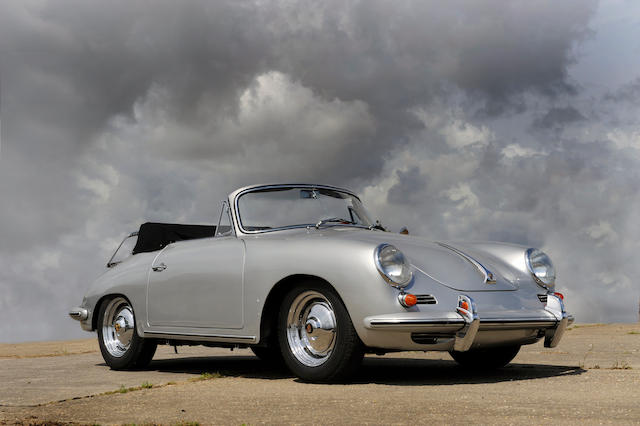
154,236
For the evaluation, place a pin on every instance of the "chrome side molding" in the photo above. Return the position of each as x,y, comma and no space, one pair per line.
231,338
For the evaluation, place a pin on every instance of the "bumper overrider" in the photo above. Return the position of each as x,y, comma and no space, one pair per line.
81,314
464,324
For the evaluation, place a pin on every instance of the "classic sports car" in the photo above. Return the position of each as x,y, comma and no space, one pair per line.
301,274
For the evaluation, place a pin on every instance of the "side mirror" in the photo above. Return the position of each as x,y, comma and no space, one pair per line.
404,231
378,226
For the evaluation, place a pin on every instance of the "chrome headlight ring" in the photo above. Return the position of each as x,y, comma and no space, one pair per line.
541,268
392,265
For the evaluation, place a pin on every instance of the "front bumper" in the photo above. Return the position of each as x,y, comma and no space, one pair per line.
463,328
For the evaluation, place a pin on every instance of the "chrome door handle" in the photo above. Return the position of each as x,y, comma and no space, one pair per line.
159,268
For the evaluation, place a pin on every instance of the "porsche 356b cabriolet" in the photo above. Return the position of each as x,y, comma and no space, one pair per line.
301,274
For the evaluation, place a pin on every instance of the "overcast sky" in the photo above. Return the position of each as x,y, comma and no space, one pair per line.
509,121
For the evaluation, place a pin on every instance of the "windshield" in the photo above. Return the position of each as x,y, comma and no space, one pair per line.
276,208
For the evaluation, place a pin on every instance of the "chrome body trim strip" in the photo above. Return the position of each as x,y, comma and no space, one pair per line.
542,323
490,324
412,323
489,278
223,338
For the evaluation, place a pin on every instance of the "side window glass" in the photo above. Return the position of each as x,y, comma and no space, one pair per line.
224,227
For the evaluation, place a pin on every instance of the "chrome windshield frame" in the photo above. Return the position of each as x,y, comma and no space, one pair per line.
235,196
111,263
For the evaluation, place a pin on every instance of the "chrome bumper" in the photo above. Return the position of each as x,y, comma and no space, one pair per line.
78,313
464,324
555,306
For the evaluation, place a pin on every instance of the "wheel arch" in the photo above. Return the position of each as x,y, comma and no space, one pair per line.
268,319
103,299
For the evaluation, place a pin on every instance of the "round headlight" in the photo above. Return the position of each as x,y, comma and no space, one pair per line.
392,265
541,268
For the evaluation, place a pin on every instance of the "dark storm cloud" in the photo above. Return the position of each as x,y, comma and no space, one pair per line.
558,117
69,67
118,112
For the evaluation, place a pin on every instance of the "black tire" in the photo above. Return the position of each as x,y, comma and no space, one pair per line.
341,350
138,352
486,358
269,354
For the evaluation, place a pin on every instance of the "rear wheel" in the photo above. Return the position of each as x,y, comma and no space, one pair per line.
486,358
317,339
121,346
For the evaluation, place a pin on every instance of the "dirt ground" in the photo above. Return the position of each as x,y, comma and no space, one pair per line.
593,377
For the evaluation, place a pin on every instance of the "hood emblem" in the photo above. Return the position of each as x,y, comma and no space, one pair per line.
489,278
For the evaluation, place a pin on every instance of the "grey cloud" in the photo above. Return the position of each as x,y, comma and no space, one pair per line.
410,187
630,93
557,117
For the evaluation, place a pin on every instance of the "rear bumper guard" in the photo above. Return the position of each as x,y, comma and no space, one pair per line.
465,323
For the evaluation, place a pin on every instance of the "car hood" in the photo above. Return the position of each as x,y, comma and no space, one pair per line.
456,265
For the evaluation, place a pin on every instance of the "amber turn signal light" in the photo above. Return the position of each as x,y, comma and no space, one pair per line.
407,300
464,305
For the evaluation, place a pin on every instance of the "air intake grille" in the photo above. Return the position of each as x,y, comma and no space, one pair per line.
543,298
426,299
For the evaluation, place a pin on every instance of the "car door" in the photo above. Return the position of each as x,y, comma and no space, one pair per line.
197,284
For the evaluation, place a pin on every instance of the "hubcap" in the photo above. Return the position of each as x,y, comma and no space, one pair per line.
311,328
117,327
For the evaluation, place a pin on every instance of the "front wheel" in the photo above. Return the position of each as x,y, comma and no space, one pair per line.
486,358
121,346
268,354
317,339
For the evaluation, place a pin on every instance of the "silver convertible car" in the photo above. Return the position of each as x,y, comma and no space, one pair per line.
301,274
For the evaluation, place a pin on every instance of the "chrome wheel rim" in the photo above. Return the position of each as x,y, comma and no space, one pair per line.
117,327
311,328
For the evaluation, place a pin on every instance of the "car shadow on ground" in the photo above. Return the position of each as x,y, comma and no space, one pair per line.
425,372
226,366
388,371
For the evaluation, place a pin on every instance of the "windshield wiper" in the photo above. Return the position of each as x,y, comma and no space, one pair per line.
338,220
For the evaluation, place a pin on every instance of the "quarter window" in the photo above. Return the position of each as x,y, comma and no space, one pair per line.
224,227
